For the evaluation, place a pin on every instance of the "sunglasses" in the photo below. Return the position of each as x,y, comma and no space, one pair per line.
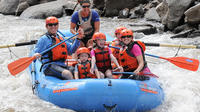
86,6
128,36
52,24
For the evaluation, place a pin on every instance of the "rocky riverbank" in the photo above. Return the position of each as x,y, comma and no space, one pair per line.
182,17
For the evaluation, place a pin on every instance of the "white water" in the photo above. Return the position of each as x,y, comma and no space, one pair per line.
181,87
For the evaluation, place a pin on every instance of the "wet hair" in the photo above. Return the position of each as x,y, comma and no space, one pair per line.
84,1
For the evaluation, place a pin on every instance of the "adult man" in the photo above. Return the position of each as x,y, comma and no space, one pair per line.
53,61
86,19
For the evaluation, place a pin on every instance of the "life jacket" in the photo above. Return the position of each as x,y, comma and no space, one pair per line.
115,52
57,53
103,60
84,70
128,60
87,26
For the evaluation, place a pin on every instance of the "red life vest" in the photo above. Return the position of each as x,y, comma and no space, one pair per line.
84,70
60,51
127,60
115,52
103,60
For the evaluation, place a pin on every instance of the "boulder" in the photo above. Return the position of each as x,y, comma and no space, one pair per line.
112,7
21,7
192,15
32,2
152,15
162,9
99,4
124,13
45,1
175,12
8,7
44,10
137,12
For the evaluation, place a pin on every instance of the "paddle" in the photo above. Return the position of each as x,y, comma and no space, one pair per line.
22,63
168,45
20,44
172,45
142,73
182,62
28,43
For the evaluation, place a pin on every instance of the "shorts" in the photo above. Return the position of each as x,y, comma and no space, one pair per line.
56,70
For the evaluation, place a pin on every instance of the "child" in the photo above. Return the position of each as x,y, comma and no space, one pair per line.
117,42
82,69
131,55
102,55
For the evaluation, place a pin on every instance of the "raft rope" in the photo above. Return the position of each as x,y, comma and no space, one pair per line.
12,53
177,51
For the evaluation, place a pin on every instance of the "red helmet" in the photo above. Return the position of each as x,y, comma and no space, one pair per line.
99,35
51,19
83,50
119,29
126,32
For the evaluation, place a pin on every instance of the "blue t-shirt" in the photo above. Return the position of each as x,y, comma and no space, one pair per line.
75,18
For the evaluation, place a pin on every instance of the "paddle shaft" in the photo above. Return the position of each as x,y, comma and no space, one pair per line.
25,43
20,44
43,52
169,45
172,45
127,73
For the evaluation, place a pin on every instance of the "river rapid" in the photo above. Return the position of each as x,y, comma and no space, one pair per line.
181,87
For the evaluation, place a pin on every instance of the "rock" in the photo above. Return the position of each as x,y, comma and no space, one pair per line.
146,29
99,4
44,10
70,9
32,2
8,7
137,12
124,13
112,7
21,7
192,15
182,28
162,9
194,34
152,15
45,1
183,34
175,12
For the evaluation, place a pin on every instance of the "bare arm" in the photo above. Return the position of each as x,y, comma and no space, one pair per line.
114,60
140,64
97,74
76,72
76,75
72,28
96,26
93,61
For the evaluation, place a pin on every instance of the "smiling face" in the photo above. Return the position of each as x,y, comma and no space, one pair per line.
83,57
101,42
52,28
86,8
126,39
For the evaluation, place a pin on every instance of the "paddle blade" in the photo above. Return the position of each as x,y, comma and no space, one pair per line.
20,65
185,63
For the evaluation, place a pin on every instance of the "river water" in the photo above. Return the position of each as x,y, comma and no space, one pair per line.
181,87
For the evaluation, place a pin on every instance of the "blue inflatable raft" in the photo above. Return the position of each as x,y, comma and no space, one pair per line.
97,95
